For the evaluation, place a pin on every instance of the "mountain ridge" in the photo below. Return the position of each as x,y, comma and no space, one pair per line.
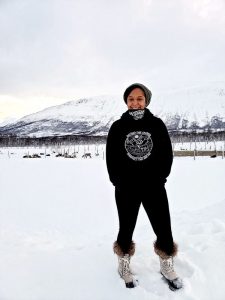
199,107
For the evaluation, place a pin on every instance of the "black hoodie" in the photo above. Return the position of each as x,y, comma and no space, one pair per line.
138,150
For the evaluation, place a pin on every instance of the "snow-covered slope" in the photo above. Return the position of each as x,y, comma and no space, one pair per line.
58,223
88,116
187,108
192,106
7,121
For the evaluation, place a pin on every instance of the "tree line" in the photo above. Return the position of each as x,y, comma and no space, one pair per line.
10,140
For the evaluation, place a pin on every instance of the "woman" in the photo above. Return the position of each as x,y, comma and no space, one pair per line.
139,158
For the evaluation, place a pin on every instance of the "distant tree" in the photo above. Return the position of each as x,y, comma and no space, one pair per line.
216,122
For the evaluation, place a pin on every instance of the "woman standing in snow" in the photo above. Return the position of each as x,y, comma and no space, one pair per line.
139,158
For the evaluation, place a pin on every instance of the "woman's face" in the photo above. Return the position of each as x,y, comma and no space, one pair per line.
136,99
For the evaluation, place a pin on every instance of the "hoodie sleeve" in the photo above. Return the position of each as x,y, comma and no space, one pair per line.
112,154
166,152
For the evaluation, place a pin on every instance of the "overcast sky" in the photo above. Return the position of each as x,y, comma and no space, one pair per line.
53,51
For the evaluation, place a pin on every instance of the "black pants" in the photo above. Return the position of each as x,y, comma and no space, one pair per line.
155,202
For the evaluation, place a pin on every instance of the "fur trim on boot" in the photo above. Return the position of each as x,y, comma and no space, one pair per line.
163,254
117,249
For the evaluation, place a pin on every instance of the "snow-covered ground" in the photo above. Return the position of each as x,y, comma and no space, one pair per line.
98,151
58,221
200,146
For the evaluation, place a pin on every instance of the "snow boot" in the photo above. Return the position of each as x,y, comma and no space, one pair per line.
167,268
124,264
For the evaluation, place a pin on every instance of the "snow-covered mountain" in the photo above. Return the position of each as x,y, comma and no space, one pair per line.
7,121
195,107
86,116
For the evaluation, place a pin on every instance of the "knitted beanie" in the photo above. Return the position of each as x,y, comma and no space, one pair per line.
147,92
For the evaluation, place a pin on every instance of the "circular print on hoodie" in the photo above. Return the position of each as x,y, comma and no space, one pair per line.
138,145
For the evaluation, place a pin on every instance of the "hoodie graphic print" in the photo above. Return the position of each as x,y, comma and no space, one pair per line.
138,145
